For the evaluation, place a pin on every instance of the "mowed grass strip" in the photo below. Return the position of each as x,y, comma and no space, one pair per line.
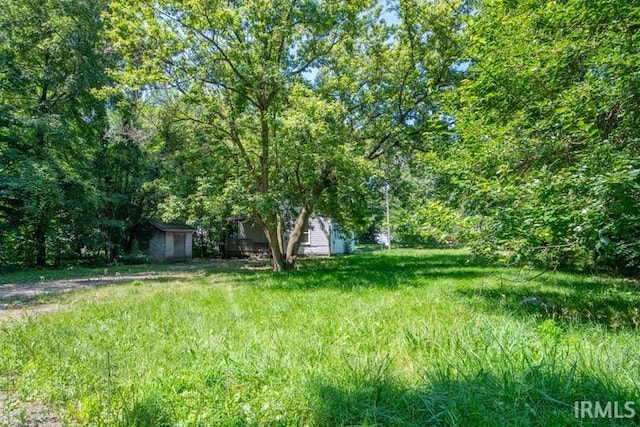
402,338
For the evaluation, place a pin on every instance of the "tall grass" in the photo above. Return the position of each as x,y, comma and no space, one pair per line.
407,338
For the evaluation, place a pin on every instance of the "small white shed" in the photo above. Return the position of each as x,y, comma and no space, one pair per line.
170,242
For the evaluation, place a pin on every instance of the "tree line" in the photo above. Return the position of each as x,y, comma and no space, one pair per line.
508,126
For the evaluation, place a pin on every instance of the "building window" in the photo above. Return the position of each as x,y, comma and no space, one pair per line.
306,236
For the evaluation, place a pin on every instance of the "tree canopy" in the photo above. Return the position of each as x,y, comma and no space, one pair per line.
546,149
245,70
51,59
509,126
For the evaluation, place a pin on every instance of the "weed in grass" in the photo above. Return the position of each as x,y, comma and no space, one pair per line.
149,411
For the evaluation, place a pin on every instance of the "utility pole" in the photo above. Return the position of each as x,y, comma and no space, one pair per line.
386,197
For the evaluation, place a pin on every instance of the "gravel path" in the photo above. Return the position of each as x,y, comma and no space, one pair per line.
18,300
25,292
19,414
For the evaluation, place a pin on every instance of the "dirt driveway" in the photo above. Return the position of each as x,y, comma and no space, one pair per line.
18,300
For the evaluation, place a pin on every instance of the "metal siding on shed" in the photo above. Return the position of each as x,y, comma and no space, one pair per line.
188,250
162,245
168,252
157,247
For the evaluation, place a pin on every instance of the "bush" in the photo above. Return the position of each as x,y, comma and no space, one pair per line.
134,258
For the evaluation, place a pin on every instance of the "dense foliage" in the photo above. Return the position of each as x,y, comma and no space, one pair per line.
72,163
546,153
512,126
50,61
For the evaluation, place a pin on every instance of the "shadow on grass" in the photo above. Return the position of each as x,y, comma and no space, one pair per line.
380,271
146,413
532,398
567,299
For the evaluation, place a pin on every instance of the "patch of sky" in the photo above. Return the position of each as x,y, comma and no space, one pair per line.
388,15
390,12
461,66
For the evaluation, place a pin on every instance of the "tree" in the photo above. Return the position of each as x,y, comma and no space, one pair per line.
51,59
546,154
242,66
391,81
125,170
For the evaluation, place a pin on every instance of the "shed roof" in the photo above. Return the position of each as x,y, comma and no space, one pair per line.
171,226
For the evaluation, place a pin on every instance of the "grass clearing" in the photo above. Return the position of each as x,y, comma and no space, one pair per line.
407,338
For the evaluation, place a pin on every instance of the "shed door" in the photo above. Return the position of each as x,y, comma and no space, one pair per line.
179,245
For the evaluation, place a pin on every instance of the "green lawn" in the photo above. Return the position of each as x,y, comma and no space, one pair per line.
406,338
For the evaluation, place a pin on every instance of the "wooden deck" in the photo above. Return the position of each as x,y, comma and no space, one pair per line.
244,248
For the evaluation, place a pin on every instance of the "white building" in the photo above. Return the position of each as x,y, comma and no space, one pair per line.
321,237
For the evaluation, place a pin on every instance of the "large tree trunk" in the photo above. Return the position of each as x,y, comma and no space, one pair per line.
285,258
271,227
280,262
296,234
